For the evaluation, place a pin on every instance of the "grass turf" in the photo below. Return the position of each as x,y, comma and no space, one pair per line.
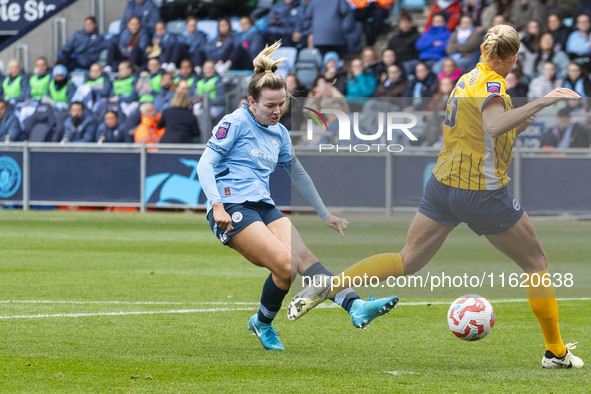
105,336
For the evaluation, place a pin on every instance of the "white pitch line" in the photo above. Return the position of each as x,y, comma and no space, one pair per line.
125,313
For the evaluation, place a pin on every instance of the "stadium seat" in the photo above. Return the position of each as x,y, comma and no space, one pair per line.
113,30
176,27
290,54
413,5
40,125
235,22
310,55
307,66
209,27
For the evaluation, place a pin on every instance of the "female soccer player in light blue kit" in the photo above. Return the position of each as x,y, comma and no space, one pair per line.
234,171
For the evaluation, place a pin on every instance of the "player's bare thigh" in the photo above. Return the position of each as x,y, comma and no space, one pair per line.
425,237
521,244
285,231
261,247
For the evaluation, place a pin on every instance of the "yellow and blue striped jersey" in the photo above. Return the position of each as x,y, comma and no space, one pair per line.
471,159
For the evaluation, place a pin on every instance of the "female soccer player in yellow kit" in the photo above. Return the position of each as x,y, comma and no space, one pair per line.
469,185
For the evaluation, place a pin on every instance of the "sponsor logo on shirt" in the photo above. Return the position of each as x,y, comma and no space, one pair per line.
227,191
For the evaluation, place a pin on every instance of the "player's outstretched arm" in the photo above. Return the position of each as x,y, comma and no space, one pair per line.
305,185
497,121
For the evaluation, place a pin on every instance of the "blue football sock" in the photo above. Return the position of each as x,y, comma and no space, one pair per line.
344,298
271,299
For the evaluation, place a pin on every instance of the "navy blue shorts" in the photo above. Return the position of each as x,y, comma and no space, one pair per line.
244,214
484,211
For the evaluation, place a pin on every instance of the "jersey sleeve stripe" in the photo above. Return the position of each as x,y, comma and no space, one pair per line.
488,98
216,148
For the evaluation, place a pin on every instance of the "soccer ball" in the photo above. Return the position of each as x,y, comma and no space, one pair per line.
471,317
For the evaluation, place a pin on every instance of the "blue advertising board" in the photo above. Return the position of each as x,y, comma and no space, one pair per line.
11,176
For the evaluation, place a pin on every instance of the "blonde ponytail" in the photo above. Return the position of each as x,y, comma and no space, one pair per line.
264,69
500,43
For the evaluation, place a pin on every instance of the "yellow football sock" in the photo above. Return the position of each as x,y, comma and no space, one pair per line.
542,301
380,265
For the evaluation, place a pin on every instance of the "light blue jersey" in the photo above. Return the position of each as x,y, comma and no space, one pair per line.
250,153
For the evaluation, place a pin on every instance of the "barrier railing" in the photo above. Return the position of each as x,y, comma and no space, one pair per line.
164,176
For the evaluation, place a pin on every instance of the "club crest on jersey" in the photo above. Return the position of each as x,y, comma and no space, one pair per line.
275,143
237,217
516,205
493,87
222,130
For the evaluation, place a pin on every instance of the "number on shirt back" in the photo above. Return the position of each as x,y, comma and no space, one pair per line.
452,106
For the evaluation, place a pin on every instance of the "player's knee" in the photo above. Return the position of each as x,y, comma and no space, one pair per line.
282,265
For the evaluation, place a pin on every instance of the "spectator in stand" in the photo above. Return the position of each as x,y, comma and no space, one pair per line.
559,31
163,98
330,36
39,81
282,21
545,53
331,71
516,88
361,83
303,26
190,45
79,126
220,48
370,60
15,87
381,69
578,80
148,131
10,129
162,45
423,86
124,92
432,43
323,94
578,45
372,14
149,82
531,38
84,47
110,130
474,9
499,20
394,85
211,84
247,45
546,82
497,7
403,43
527,10
566,134
96,90
293,118
187,74
451,11
178,121
450,70
132,45
464,44
145,10
61,89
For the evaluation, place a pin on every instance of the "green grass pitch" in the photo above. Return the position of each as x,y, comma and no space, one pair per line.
99,302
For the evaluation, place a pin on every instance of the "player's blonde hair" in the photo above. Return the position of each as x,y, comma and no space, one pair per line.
500,43
264,69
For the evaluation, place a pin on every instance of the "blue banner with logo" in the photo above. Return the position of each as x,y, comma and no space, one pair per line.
11,176
83,176
18,17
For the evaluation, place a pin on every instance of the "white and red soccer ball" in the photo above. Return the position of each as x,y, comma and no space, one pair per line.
471,317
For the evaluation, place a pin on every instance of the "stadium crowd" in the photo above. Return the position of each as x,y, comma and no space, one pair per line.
152,80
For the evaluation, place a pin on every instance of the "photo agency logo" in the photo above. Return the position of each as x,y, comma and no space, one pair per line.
389,126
